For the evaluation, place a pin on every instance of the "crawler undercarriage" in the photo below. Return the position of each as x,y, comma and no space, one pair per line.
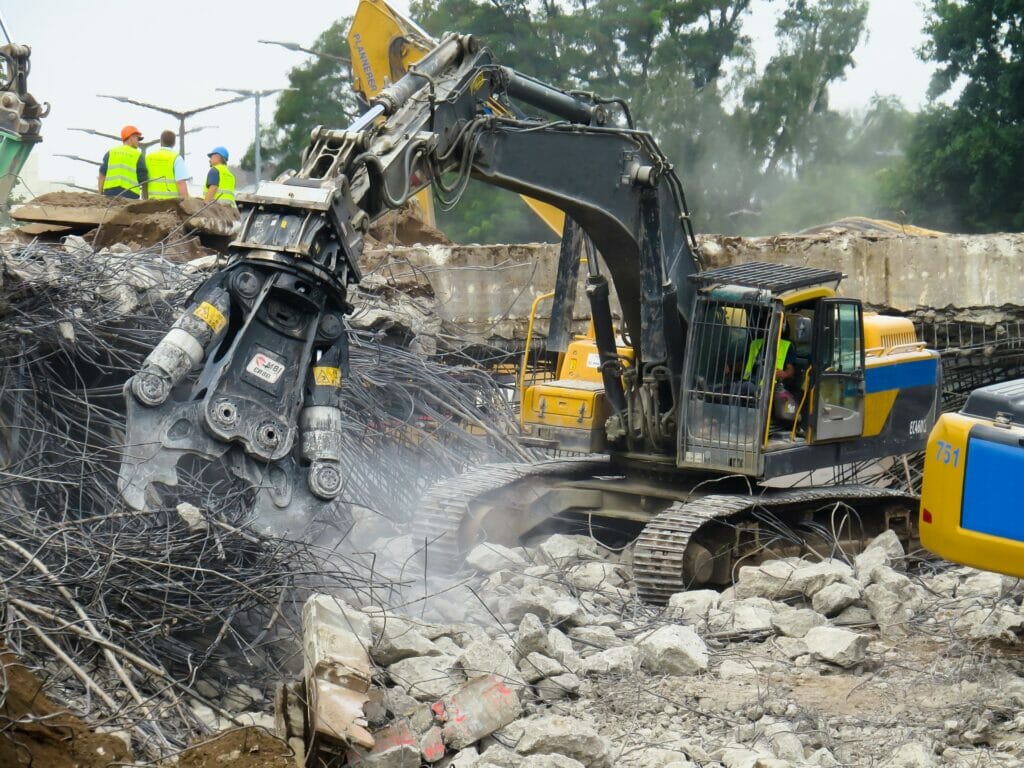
690,532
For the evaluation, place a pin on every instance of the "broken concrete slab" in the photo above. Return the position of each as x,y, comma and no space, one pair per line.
781,579
595,576
596,637
398,638
537,666
558,687
546,602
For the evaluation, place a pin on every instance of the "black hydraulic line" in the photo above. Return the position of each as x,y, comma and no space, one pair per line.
604,333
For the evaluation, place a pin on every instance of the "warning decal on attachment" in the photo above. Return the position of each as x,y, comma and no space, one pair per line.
326,376
265,368
210,315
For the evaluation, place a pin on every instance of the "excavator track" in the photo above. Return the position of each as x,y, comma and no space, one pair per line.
446,506
664,557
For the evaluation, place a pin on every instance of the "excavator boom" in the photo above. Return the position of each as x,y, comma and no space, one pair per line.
267,332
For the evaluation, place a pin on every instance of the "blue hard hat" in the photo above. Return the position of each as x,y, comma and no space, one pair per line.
222,151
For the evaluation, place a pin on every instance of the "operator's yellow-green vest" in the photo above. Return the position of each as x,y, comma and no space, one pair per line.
754,351
225,187
122,168
160,165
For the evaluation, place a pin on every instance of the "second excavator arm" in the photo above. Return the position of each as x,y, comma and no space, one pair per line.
253,370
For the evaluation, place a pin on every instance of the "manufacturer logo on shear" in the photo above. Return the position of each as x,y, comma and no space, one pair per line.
265,367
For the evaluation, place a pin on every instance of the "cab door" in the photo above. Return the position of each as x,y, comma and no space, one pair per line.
839,364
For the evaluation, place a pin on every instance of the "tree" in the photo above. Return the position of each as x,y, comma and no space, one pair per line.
964,162
816,45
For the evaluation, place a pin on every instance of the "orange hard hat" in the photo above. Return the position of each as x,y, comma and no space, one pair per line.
128,131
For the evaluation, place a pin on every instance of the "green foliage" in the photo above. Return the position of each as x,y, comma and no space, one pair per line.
964,162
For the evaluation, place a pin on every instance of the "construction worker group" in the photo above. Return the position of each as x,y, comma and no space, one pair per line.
160,173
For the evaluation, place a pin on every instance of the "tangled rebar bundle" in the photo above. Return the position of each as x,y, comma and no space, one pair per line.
121,613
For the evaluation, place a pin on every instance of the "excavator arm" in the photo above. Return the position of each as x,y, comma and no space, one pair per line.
252,372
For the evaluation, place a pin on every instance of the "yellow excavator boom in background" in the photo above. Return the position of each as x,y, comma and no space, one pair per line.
383,45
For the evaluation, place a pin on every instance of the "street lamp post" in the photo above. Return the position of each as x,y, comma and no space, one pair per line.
145,144
255,96
299,48
182,115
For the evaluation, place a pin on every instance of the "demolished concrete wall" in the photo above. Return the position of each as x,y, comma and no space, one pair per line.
488,290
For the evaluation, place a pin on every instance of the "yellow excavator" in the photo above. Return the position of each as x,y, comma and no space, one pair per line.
741,389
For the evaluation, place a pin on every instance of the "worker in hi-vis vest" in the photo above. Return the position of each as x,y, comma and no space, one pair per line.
168,174
123,170
220,181
785,367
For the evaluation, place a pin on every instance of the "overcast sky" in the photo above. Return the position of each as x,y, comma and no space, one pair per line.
178,57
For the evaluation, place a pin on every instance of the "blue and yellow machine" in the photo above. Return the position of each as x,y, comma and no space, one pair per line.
971,501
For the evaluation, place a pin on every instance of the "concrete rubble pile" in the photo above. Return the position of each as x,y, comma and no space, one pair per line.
542,656
179,230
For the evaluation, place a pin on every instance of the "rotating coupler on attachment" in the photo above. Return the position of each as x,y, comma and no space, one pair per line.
183,348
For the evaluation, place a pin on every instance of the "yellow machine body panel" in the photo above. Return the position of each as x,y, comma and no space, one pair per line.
972,508
891,348
571,410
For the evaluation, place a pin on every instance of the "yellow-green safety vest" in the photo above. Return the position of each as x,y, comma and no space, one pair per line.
122,168
160,166
225,187
755,350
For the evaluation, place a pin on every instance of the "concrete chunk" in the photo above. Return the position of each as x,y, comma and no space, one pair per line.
489,558
562,550
623,660
477,709
537,666
336,712
673,650
595,576
557,734
796,622
836,646
835,598
335,638
532,636
693,606
427,678
398,639
485,657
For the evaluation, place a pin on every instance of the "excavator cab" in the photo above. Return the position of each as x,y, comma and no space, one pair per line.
858,384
